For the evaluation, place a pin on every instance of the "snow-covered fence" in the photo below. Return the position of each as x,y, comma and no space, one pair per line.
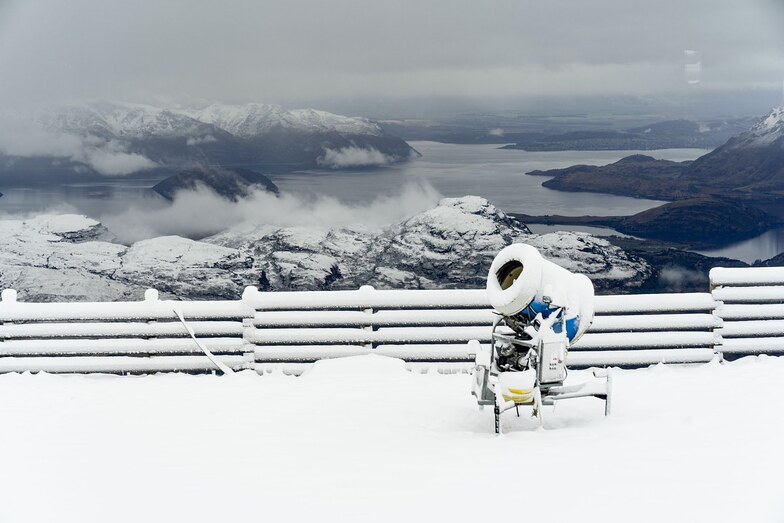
743,314
751,309
649,328
290,330
120,337
293,329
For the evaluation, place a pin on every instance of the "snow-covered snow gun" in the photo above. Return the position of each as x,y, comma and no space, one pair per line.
543,309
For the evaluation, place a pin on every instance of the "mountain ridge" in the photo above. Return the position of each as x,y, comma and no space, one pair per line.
71,143
749,167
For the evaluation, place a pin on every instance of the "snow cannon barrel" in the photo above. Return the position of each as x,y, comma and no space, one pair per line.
522,284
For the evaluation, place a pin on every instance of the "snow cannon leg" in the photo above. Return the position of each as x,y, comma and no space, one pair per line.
482,388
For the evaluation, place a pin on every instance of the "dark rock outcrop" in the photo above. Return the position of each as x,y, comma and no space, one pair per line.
637,175
232,184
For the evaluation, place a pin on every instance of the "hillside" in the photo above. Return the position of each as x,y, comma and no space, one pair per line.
56,258
749,167
232,184
699,223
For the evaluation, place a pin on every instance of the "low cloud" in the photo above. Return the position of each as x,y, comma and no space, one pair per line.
108,157
111,159
354,156
496,132
200,213
674,278
199,140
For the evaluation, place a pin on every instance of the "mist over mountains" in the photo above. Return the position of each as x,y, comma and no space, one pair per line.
84,142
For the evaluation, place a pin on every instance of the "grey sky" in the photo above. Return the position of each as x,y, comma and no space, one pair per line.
288,51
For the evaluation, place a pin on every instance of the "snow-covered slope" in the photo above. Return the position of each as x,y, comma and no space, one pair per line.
748,166
448,246
59,258
128,120
766,131
254,119
362,440
70,257
120,120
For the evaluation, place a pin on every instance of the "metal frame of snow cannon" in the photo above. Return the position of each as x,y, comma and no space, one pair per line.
535,309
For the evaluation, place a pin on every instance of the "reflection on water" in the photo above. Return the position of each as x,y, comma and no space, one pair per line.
541,228
762,247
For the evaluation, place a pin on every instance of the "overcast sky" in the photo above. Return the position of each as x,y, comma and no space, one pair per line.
291,52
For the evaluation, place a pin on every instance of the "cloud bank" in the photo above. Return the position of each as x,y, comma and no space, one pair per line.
353,156
283,51
107,157
200,213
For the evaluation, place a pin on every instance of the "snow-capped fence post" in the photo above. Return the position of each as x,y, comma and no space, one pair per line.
151,297
7,297
369,311
248,294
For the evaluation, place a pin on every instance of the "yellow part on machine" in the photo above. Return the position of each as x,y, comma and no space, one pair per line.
519,396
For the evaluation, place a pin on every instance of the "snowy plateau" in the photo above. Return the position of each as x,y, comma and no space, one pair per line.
362,439
71,257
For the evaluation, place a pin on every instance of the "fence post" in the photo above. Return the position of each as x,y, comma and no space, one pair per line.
718,343
8,296
248,326
151,296
369,311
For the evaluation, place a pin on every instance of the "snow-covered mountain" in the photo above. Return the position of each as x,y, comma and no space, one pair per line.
254,119
58,258
750,164
766,131
127,120
121,120
74,142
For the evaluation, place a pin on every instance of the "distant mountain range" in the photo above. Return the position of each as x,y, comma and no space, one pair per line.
79,142
748,167
572,133
734,192
667,134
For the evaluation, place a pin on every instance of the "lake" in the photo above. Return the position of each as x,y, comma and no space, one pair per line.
484,170
453,170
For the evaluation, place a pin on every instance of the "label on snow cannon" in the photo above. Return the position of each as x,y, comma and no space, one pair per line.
522,283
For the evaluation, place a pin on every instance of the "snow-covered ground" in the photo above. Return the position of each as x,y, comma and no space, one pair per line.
361,439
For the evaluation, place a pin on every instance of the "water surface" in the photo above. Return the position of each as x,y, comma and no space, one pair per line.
484,170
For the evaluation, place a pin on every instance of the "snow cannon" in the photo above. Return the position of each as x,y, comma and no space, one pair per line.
521,284
543,309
